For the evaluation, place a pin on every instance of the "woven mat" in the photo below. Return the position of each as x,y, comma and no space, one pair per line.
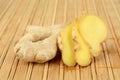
16,15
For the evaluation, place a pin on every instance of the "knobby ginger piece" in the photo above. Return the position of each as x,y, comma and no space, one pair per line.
39,44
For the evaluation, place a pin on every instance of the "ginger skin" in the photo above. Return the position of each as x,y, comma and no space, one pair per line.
39,44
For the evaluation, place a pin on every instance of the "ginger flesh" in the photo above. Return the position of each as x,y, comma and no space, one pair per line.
39,44
94,31
66,45
82,41
82,53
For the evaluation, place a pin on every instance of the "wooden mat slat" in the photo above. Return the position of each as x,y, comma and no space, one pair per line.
16,15
14,22
3,24
7,37
3,5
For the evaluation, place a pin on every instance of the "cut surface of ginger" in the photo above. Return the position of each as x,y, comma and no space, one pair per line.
94,31
80,40
82,53
67,49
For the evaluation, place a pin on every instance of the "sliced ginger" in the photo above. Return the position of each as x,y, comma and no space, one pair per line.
66,45
81,39
39,44
94,31
82,52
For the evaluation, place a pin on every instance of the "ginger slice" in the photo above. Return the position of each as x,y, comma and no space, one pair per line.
94,31
82,51
39,44
66,45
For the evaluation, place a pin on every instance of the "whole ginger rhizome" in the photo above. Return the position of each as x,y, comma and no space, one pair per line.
78,41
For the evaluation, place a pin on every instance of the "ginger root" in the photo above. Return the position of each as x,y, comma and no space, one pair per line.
39,44
80,40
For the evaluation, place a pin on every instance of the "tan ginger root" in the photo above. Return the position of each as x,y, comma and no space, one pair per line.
39,44
82,40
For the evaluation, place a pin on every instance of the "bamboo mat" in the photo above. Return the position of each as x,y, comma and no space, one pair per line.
16,15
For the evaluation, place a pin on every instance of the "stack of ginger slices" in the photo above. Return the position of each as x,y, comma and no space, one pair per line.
80,41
